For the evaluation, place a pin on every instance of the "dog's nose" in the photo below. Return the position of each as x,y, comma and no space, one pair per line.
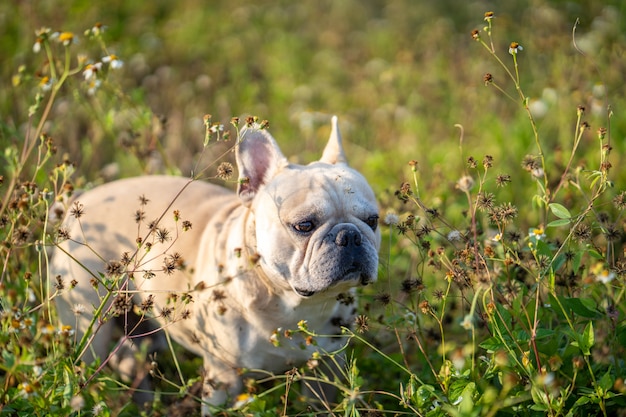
347,237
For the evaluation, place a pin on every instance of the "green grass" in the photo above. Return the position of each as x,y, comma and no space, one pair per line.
459,324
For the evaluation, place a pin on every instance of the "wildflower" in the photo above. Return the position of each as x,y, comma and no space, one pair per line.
26,389
163,235
602,133
489,16
66,330
225,171
114,268
514,48
66,38
410,284
488,161
113,61
485,200
497,237
413,165
425,307
302,325
362,324
93,85
96,30
143,200
620,201
582,232
77,402
537,233
465,183
488,78
468,322
91,70
37,45
78,309
383,298
502,180
45,83
605,276
476,34
274,338
242,400
98,409
454,236
580,110
391,219
186,225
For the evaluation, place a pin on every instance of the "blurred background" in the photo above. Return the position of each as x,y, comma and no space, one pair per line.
399,74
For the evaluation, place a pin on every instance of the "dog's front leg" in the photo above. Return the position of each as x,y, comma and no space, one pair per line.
220,386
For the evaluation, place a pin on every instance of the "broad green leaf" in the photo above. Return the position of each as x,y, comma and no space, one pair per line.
587,339
559,223
584,307
559,211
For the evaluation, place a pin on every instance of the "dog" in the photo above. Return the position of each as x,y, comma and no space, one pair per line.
228,275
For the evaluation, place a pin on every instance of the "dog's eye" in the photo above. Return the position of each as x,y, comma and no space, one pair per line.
372,221
304,227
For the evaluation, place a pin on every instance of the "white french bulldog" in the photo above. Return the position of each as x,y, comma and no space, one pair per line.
224,274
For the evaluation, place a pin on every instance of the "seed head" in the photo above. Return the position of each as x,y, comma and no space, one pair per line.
225,171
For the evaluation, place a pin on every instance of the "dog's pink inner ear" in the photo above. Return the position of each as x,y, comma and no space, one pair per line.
258,160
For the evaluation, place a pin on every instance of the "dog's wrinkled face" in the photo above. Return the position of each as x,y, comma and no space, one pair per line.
316,226
319,228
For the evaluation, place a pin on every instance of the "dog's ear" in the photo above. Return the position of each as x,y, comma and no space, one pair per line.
258,160
333,152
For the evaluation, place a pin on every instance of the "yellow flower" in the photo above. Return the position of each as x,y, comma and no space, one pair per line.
514,48
66,38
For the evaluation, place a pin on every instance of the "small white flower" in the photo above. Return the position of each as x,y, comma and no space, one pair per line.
77,403
468,322
514,48
605,276
537,233
391,219
91,70
216,127
465,183
78,309
93,86
46,83
454,236
497,237
37,45
113,61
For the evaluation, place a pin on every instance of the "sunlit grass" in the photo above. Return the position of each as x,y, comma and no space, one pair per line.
495,296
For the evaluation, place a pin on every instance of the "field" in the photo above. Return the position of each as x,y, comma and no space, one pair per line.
492,134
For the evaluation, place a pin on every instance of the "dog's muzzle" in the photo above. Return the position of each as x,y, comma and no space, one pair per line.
347,258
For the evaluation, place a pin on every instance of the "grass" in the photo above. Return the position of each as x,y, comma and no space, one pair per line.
501,287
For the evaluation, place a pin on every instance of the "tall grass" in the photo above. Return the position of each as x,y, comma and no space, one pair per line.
496,155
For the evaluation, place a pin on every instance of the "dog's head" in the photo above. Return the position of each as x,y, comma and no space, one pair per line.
316,226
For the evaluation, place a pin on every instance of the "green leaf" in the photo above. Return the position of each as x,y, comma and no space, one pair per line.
559,211
587,339
492,344
584,307
558,223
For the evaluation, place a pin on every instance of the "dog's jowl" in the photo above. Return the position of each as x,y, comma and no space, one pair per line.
224,273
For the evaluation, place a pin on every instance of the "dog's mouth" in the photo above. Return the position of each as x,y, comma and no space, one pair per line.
352,274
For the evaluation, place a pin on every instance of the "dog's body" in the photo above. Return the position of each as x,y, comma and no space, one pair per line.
252,265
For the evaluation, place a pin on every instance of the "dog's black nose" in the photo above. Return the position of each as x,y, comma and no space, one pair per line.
347,237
